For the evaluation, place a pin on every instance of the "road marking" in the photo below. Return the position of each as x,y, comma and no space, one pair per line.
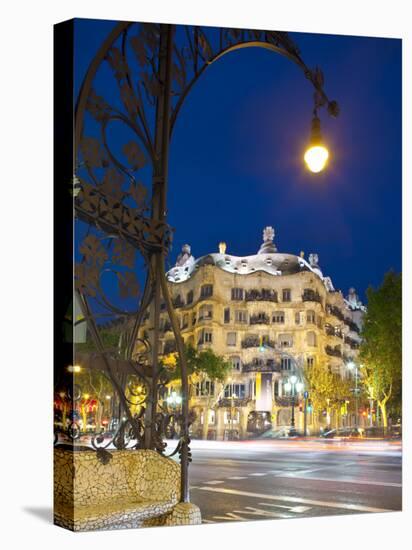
310,471
237,477
234,516
258,512
359,482
231,517
281,498
214,482
295,509
258,474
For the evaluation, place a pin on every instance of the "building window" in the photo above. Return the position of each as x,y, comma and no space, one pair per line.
193,318
286,295
227,417
252,389
276,388
205,388
231,339
285,340
278,317
297,318
206,312
241,316
205,337
237,293
226,315
237,391
206,291
286,363
185,320
310,361
236,362
310,317
189,297
212,416
311,338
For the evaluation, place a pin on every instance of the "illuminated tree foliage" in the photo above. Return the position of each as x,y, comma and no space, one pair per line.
202,363
381,349
327,390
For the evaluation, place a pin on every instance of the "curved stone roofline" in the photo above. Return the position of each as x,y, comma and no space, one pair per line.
276,264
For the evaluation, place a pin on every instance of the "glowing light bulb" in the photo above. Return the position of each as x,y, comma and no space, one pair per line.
316,155
316,158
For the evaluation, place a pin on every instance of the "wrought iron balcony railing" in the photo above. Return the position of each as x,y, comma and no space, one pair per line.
265,366
235,402
351,342
264,295
334,352
250,342
311,296
260,319
351,324
334,310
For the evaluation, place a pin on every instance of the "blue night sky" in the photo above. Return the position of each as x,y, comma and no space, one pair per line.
236,155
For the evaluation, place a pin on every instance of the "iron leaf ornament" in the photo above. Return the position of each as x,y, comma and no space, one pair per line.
122,136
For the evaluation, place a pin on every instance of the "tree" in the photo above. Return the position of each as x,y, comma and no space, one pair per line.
381,348
202,363
94,387
201,366
327,389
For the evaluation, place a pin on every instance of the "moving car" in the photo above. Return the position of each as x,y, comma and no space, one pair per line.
280,432
344,433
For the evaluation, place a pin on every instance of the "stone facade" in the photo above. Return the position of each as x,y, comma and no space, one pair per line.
271,315
131,489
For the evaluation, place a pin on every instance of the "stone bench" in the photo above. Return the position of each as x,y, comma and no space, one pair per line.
135,488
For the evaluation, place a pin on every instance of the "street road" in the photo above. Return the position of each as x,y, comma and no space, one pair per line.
251,480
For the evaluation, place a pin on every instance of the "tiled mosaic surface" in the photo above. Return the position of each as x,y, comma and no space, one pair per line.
133,489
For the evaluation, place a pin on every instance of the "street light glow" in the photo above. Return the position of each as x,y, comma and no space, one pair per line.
74,368
316,158
299,386
350,365
293,379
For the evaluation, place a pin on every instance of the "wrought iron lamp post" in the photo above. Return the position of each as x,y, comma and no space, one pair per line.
154,67
232,410
293,386
352,366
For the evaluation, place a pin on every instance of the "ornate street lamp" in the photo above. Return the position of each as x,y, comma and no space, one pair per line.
293,386
174,400
317,155
153,68
352,366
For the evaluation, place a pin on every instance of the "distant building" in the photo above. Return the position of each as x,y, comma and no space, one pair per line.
271,315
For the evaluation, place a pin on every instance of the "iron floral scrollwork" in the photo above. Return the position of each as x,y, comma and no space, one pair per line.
122,135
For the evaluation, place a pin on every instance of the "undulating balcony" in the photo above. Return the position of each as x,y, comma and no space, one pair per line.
262,366
259,319
333,352
264,295
311,296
